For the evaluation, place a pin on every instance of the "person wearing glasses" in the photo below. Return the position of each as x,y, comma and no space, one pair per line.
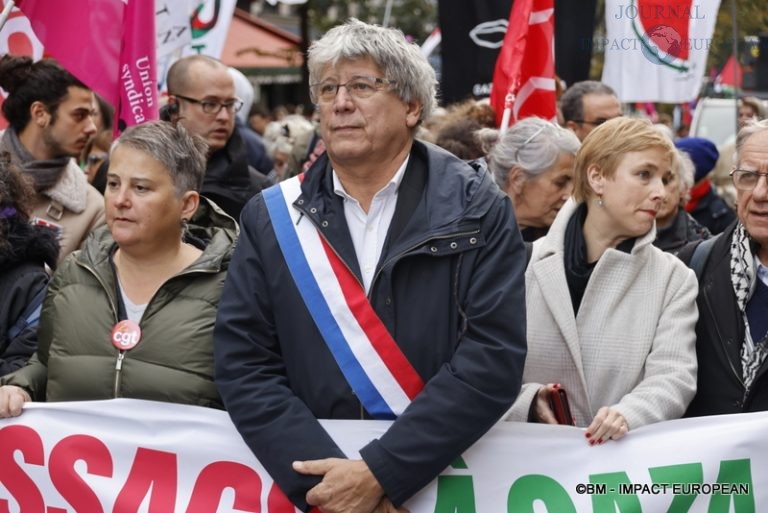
732,331
201,96
386,232
533,163
588,104
610,316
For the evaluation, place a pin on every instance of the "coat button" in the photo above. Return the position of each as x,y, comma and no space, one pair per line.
313,210
433,249
388,301
454,245
300,202
324,224
473,240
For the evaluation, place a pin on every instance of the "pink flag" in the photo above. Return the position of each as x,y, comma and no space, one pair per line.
109,45
524,78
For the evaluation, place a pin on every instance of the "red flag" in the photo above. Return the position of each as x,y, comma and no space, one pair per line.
731,73
524,77
108,44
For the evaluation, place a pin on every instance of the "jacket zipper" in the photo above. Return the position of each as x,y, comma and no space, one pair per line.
121,355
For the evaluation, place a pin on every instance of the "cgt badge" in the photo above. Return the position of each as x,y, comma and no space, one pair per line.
126,335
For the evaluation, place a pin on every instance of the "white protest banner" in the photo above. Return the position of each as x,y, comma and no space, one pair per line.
126,456
656,50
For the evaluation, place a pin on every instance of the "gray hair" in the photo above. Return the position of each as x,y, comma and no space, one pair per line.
685,171
747,131
182,154
571,102
534,145
399,60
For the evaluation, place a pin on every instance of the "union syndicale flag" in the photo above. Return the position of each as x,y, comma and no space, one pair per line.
108,44
524,77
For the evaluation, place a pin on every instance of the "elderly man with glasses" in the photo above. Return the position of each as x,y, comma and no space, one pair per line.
384,283
732,330
201,96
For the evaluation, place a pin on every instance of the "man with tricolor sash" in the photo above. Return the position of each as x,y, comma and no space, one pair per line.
384,283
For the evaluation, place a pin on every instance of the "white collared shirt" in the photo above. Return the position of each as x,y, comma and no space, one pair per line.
369,230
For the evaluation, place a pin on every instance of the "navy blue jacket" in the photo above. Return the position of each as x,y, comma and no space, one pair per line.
449,287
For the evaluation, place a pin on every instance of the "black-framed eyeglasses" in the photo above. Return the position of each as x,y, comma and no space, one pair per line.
597,122
214,107
360,87
745,180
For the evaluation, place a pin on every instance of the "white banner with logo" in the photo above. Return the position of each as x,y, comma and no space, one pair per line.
656,50
139,456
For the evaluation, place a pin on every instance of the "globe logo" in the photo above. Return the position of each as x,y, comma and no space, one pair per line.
663,44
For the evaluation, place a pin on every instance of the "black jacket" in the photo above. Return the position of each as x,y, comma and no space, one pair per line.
684,229
229,181
719,336
22,276
713,212
449,287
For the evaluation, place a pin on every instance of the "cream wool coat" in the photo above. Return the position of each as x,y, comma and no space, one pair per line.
632,344
73,204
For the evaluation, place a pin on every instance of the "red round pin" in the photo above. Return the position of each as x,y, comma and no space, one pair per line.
125,335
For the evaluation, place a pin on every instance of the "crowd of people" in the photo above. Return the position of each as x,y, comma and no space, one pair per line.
386,259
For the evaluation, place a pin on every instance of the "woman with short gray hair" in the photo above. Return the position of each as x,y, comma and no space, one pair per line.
132,313
533,163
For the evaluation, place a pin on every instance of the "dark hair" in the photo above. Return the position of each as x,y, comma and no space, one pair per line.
27,82
458,137
259,109
107,112
16,195
572,100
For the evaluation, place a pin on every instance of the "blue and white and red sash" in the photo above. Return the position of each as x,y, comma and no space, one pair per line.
373,364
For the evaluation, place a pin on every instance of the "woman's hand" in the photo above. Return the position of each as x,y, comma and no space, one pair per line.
542,411
608,424
12,399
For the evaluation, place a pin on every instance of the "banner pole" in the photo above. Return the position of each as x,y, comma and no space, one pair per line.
6,12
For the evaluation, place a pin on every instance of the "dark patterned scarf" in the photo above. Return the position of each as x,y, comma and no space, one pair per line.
44,173
743,278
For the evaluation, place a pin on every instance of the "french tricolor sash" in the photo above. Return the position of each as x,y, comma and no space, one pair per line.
373,364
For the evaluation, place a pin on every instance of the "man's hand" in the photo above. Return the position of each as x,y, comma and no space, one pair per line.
348,486
12,399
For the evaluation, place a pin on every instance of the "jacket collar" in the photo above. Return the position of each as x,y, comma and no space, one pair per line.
217,231
555,239
450,194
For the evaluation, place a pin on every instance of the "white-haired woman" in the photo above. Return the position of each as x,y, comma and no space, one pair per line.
674,226
533,163
611,318
132,313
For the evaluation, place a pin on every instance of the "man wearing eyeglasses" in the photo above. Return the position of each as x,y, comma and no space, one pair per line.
201,96
385,283
732,330
587,105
